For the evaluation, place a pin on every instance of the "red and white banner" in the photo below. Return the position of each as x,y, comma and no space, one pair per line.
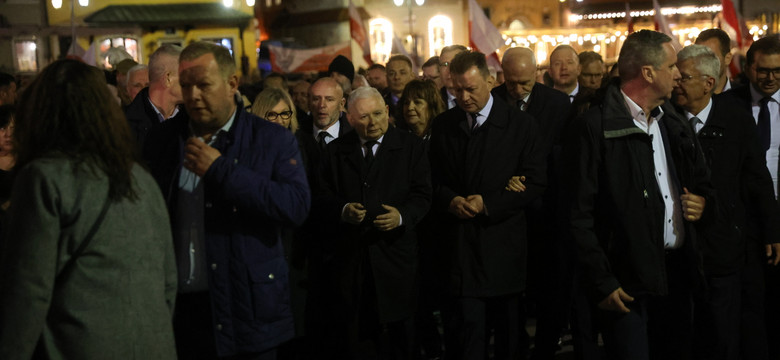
286,60
358,32
733,24
662,26
483,35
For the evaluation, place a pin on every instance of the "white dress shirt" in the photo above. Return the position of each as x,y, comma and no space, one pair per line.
773,154
674,232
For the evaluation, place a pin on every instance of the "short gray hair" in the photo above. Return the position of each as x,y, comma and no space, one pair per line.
365,92
133,69
644,47
706,62
161,61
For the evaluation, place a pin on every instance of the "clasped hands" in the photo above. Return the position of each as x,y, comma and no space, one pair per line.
354,213
468,207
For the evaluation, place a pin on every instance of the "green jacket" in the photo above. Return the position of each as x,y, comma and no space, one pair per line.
117,302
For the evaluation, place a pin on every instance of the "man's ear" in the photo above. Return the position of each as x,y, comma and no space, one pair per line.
648,73
233,82
727,59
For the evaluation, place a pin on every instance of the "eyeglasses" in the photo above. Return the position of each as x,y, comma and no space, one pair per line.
272,115
592,75
686,78
764,72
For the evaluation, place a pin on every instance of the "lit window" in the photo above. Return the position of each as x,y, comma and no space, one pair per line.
439,34
115,49
226,42
26,55
381,34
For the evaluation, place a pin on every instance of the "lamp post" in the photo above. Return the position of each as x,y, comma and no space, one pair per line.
409,4
58,4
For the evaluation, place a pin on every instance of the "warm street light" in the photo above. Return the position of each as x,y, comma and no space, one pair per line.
411,24
58,4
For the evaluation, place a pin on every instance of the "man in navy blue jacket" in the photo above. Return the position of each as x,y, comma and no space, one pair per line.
231,181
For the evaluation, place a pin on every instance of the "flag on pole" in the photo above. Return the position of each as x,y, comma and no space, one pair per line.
358,32
286,60
483,35
662,26
629,19
733,24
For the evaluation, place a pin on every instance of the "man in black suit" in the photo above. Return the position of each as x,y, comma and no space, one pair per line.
549,271
445,59
728,137
327,119
760,289
475,149
161,100
635,174
374,189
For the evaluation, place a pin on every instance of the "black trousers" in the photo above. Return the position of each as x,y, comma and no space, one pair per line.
194,331
717,318
658,327
468,320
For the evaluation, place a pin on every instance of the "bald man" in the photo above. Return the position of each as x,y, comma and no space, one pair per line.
565,70
550,110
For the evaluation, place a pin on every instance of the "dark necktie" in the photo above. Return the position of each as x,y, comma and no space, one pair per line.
369,158
764,127
521,105
321,140
474,122
694,121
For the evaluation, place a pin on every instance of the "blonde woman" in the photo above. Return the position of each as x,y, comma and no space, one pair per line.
276,106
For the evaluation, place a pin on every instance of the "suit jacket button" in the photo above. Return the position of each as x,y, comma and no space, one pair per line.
219,327
208,205
213,266
271,276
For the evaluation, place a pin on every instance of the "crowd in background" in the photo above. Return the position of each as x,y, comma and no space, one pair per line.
168,210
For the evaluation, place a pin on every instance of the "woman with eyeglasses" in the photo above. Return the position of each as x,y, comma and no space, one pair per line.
276,105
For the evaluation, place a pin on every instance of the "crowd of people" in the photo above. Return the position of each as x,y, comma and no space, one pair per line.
382,215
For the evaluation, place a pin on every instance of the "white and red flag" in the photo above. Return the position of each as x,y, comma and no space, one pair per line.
358,32
483,35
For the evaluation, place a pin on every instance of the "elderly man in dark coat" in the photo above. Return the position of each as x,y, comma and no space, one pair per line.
373,190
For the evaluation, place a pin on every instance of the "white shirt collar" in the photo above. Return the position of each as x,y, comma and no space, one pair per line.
637,113
756,96
333,131
160,115
576,90
702,115
483,113
727,87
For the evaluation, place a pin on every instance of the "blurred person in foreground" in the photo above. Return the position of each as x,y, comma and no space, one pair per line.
87,265
7,157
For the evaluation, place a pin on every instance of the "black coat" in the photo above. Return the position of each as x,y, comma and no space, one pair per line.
486,255
743,97
141,116
617,210
743,185
399,177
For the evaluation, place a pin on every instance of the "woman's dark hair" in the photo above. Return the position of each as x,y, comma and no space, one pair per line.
68,110
426,90
7,112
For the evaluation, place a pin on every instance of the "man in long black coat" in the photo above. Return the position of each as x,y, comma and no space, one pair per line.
475,149
728,137
373,189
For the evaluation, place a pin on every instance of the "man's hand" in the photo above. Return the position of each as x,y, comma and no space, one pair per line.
462,208
692,205
615,300
516,184
773,254
476,203
198,156
353,213
389,220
